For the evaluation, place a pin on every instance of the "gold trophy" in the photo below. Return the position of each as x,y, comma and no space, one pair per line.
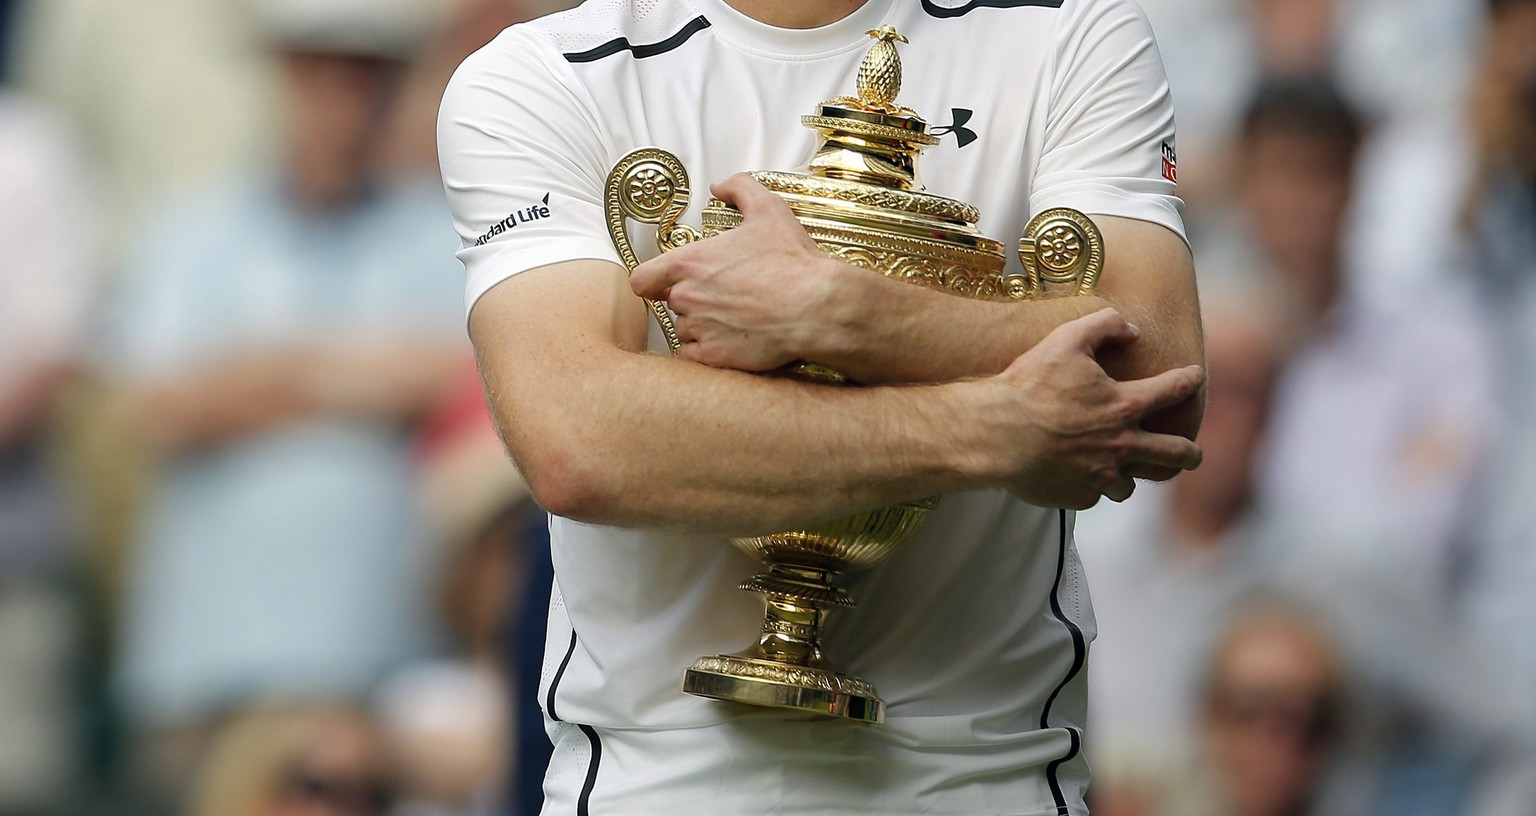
861,201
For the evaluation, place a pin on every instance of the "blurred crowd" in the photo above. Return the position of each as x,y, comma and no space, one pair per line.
261,553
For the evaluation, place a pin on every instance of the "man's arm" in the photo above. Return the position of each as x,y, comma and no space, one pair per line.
763,295
607,434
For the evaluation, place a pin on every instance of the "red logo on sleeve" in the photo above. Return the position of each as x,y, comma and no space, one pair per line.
1170,163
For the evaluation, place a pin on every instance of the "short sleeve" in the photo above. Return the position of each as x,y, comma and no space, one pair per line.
1109,137
522,163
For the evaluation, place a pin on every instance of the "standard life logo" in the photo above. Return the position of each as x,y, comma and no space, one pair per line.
532,212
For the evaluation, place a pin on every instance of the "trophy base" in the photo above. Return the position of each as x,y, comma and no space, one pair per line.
780,685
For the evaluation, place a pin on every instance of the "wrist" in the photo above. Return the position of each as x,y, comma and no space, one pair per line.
972,449
838,323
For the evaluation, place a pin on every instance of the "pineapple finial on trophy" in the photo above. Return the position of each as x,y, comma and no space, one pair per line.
880,73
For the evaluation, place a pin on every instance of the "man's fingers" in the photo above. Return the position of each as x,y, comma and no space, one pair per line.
1150,473
654,279
1164,390
1165,451
1106,327
745,194
1120,489
681,326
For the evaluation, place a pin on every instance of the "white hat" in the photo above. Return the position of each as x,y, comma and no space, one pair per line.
391,29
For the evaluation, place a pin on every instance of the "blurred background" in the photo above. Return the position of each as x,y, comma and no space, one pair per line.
261,555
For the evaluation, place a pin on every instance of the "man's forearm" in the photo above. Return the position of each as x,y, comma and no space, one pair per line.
762,295
894,332
607,434
886,331
641,441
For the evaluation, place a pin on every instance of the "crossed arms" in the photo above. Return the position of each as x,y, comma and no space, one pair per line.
1061,402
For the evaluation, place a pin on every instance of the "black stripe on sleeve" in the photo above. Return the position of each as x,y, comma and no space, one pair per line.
1079,656
620,45
942,12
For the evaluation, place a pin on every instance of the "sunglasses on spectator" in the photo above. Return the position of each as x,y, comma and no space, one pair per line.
1303,720
352,795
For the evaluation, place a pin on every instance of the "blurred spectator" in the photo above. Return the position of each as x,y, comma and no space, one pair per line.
48,282
1384,412
1266,731
282,338
1396,56
297,760
169,95
412,147
1439,711
1500,244
475,501
1160,591
48,285
1270,714
495,589
450,719
447,725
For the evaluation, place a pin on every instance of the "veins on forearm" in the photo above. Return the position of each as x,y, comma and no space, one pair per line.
884,331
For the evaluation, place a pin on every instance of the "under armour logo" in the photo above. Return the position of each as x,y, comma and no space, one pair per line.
962,133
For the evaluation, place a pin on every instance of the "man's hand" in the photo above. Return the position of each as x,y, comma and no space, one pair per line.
751,298
1082,435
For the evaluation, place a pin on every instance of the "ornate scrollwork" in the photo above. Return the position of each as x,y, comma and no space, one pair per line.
865,195
801,676
649,185
1060,246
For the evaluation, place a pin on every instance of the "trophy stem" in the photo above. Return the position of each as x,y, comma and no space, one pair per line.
796,604
785,669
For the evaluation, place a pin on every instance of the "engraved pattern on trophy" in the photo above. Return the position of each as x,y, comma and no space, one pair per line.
791,675
651,186
877,197
860,199
1062,247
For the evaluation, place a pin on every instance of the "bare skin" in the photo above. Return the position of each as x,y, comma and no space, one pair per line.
596,426
796,13
763,295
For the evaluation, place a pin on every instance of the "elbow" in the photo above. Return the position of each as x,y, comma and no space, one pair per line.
570,490
1180,420
569,480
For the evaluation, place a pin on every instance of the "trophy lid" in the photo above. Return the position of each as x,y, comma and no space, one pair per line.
865,164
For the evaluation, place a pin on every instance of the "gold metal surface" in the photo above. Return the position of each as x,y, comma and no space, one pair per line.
1062,252
861,200
649,185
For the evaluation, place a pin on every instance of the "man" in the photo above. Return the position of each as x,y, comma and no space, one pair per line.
977,630
279,342
1357,439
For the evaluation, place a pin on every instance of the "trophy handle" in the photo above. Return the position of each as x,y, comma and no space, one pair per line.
649,185
1060,247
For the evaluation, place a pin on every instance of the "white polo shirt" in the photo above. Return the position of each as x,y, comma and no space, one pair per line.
975,632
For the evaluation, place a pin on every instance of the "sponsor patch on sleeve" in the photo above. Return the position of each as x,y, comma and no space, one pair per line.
533,212
1170,163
